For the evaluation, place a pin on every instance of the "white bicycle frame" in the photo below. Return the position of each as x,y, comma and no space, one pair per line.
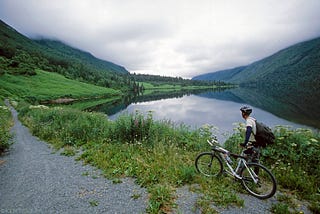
241,163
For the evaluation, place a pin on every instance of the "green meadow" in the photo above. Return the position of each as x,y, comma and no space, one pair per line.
46,86
161,154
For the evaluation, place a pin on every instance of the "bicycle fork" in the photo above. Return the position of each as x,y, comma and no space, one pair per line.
242,164
232,172
253,175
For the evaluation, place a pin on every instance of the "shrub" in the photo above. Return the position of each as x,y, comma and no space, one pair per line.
294,159
140,129
133,128
161,154
5,124
66,126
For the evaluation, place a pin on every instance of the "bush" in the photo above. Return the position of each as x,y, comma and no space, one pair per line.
140,129
2,71
133,128
133,145
161,154
5,124
294,159
64,126
296,154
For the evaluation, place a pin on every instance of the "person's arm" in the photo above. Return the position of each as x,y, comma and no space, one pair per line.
248,133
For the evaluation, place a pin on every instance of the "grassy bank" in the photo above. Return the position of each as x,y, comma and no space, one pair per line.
160,154
49,86
150,87
5,125
294,159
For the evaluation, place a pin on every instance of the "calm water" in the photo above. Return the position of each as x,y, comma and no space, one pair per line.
220,109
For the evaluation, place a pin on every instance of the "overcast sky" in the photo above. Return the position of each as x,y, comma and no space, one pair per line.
181,38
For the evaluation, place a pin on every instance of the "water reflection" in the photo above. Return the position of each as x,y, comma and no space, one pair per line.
290,108
115,107
196,111
217,108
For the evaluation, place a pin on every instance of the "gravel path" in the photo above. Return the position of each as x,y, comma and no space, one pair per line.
34,179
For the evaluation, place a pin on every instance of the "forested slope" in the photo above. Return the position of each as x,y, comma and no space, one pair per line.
20,55
295,65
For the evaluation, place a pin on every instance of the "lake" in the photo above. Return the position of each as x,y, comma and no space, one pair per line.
217,108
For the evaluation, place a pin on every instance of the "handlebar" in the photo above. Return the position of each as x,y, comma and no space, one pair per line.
213,142
215,146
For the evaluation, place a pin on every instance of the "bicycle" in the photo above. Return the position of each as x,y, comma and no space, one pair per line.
255,177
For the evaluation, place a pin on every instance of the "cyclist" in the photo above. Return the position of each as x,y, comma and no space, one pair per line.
249,143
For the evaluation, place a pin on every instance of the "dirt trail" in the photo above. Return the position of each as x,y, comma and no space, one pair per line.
36,179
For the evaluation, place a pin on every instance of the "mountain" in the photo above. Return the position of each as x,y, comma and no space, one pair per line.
296,65
20,55
60,49
290,77
284,107
224,75
11,41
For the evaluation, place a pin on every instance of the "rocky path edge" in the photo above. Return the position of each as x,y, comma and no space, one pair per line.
34,178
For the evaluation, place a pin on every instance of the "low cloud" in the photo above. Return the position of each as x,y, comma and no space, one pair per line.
171,38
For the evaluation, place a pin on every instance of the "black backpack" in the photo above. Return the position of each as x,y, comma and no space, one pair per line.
264,135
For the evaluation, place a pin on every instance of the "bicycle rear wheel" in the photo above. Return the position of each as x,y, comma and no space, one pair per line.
208,164
266,185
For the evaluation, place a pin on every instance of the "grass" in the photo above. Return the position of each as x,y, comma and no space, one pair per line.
160,155
49,86
294,160
91,103
171,87
94,203
5,125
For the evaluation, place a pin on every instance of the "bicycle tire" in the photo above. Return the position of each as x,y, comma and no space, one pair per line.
266,186
209,164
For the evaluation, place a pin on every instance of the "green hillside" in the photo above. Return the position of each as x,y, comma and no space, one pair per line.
295,65
72,54
20,55
45,86
290,76
224,75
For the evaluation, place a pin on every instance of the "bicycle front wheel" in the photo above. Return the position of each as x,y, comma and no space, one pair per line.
265,185
209,164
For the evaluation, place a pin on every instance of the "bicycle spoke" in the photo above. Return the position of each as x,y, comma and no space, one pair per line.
208,164
263,186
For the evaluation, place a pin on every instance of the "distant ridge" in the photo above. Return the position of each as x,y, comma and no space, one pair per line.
223,75
20,55
297,64
69,52
11,41
290,76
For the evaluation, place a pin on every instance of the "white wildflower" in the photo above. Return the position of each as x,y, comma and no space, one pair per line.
38,107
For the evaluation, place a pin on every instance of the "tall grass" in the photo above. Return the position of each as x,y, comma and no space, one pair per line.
160,154
294,159
66,126
5,125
